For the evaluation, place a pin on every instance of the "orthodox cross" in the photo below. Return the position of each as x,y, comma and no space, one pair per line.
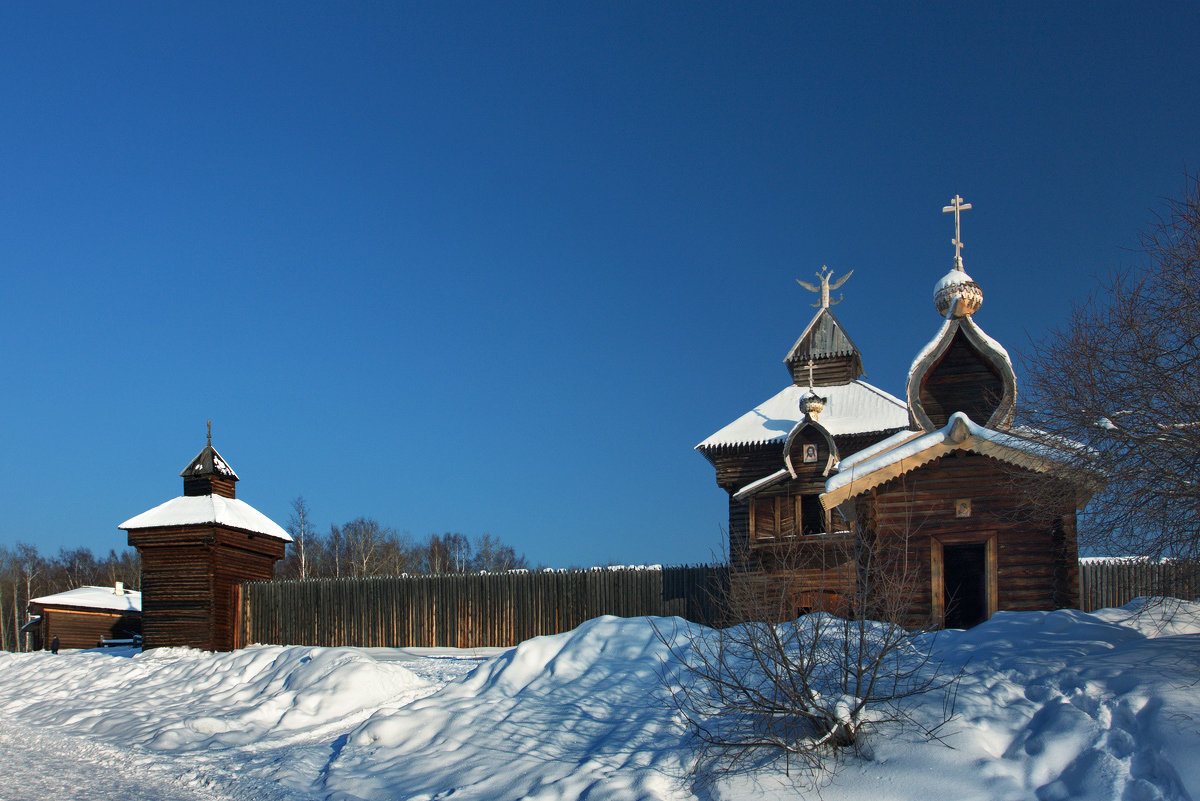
810,371
825,286
957,206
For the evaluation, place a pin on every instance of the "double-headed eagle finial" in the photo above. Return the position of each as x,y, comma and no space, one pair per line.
825,286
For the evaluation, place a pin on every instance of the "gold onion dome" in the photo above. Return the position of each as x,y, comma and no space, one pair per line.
812,404
957,295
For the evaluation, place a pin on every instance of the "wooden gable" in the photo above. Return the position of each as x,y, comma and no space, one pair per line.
835,358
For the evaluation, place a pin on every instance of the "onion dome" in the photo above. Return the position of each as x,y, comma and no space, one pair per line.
957,295
812,404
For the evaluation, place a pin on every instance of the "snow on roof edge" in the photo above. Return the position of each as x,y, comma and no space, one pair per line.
91,597
192,510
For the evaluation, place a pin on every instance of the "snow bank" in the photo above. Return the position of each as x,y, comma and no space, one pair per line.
575,715
179,699
1051,705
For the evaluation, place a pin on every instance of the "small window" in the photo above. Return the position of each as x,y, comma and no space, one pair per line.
764,520
812,516
783,516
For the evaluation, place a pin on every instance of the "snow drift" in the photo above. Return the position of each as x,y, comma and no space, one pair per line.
1051,706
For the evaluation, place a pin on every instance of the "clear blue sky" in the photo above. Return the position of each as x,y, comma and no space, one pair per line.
498,267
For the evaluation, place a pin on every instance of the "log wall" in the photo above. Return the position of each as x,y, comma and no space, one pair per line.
188,578
1036,555
84,628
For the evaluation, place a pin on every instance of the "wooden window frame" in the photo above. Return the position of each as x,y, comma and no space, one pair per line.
797,502
937,573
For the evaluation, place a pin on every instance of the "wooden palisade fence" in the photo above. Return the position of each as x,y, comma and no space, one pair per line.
1116,582
503,609
467,610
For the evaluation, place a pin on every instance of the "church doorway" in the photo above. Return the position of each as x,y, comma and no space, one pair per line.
964,579
965,590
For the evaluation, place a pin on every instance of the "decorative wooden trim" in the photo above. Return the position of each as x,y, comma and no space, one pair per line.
820,429
1002,417
969,443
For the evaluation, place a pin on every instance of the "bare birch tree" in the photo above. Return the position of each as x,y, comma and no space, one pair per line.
300,527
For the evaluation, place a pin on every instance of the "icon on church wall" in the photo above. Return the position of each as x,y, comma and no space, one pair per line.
962,507
810,453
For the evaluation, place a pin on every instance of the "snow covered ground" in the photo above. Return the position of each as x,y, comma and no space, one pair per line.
1051,706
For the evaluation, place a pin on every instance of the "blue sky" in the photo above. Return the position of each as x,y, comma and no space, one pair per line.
498,267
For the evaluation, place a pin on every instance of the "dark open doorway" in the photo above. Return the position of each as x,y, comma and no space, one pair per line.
965,576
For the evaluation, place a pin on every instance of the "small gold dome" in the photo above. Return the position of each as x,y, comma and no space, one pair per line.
957,295
812,405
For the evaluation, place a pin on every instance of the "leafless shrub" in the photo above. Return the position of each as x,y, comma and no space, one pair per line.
806,690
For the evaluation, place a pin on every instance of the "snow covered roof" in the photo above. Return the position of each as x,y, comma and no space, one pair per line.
762,483
94,598
192,510
854,408
858,475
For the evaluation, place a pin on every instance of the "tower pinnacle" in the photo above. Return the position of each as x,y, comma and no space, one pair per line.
825,286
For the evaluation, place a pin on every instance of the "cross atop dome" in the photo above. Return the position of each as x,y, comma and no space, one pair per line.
957,206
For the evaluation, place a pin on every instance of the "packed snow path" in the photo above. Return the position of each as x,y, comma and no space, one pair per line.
38,767
1057,705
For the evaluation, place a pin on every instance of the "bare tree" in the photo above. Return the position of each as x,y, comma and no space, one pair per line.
1117,385
805,690
366,542
300,527
6,574
125,567
493,556
31,566
447,553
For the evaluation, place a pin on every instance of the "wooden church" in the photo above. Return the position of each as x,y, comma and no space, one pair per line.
195,550
930,511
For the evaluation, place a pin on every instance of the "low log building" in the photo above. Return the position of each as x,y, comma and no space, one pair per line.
85,617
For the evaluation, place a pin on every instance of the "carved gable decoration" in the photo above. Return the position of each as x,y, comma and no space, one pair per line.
810,450
962,370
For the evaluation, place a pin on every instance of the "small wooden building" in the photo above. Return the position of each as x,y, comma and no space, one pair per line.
936,511
195,550
85,617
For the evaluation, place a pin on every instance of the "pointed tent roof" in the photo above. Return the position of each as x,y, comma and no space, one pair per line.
208,463
824,338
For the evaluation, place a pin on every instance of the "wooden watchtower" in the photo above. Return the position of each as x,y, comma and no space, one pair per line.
195,549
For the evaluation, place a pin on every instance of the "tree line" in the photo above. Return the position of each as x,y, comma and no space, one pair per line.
26,574
365,547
